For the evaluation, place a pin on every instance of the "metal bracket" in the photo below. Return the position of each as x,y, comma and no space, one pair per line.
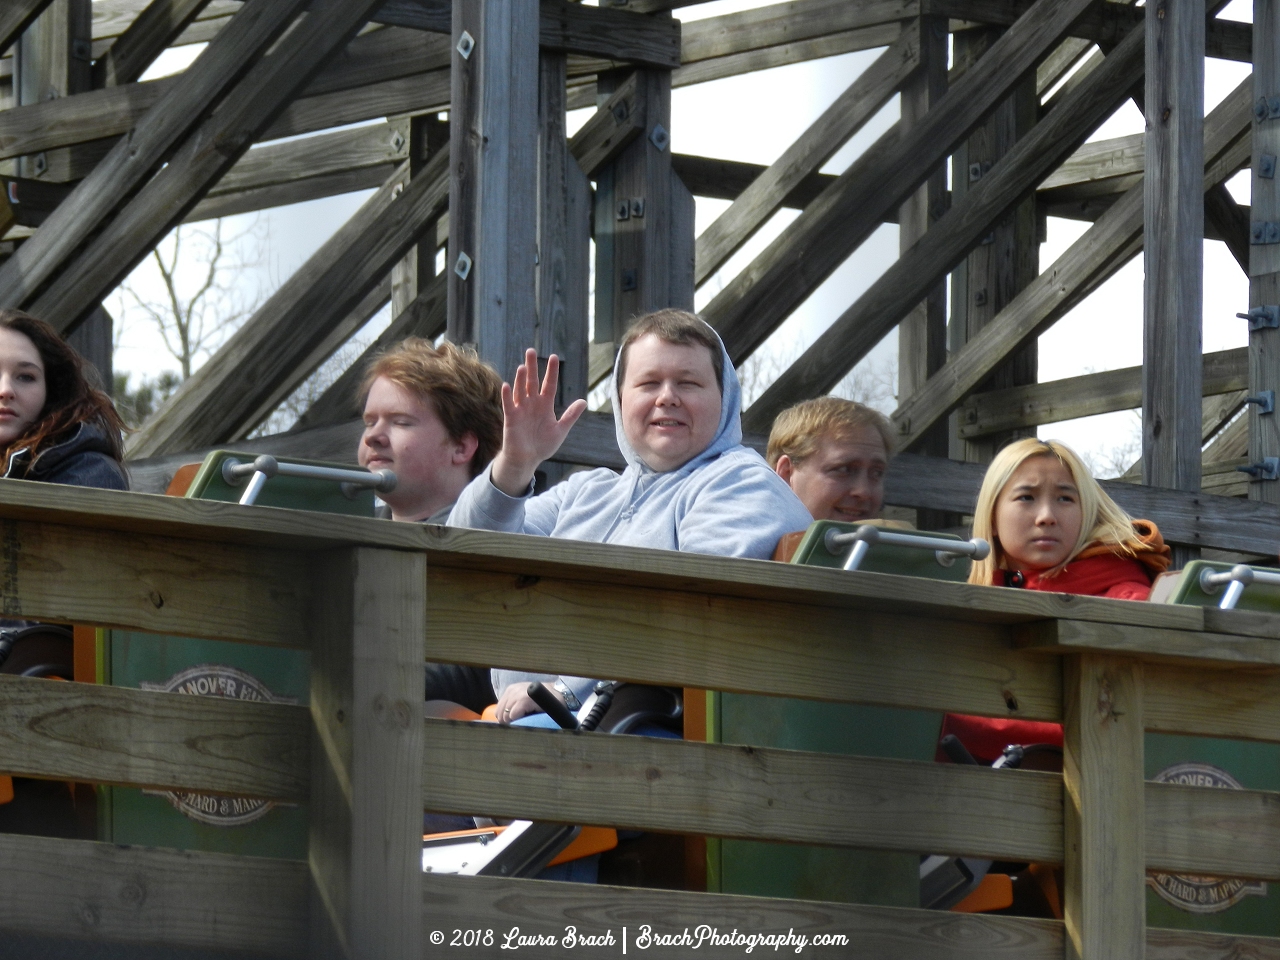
624,209
1261,318
659,137
463,267
397,141
1268,469
1266,108
82,50
1264,231
620,112
1266,401
466,43
630,280
637,207
1267,166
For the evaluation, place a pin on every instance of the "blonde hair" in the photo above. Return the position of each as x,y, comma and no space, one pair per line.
798,430
1102,520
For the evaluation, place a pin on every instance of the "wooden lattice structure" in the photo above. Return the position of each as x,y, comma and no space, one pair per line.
1005,92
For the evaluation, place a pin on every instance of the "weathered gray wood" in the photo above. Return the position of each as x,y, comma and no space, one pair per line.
564,238
1186,945
295,191
873,87
1105,900
365,802
751,792
297,317
922,334
764,293
50,62
1174,246
128,165
1113,240
425,317
16,17
147,896
873,315
616,122
1086,396
886,933
493,186
211,744
633,219
613,34
1264,260
162,22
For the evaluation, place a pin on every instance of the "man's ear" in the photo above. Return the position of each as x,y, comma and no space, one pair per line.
465,448
784,468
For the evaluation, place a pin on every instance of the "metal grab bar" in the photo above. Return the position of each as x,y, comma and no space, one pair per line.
265,467
1239,577
945,550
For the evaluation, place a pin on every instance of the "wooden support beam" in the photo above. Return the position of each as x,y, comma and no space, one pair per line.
564,238
158,26
853,108
366,755
899,288
425,317
296,318
616,122
1174,247
1104,903
51,62
1264,258
922,334
764,294
1019,408
211,744
16,16
1108,245
38,261
202,159
493,185
111,893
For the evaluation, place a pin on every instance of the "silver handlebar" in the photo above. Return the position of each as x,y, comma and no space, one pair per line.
1237,578
862,539
263,468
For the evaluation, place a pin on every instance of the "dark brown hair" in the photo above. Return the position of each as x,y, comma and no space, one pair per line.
673,326
464,391
69,398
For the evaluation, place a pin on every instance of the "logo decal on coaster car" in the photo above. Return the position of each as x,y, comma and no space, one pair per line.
1202,894
215,680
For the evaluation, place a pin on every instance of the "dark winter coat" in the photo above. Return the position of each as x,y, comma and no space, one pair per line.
84,459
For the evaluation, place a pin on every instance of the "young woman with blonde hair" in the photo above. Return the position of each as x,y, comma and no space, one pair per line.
1052,527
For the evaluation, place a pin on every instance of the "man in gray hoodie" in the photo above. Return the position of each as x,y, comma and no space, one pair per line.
689,485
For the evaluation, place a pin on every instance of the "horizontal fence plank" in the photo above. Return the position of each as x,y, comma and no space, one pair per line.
748,792
538,907
106,892
95,734
1213,701
76,574
1213,832
1073,636
1193,945
732,643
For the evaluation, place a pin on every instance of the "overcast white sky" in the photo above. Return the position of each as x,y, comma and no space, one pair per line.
754,118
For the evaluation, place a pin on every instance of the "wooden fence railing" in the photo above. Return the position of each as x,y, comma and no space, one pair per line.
371,599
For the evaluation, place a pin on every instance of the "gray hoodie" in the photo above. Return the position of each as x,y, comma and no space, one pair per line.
725,501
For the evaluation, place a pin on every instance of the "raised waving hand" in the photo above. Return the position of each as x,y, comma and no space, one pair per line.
530,431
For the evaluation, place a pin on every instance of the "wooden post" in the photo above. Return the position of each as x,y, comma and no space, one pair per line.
1264,258
1104,902
427,135
493,178
564,238
1008,258
366,755
643,219
922,335
1174,250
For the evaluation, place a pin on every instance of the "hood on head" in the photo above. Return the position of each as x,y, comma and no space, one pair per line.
728,433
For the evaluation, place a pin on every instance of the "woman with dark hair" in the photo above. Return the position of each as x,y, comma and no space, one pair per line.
54,426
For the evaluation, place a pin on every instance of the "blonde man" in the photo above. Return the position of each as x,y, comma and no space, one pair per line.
833,453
